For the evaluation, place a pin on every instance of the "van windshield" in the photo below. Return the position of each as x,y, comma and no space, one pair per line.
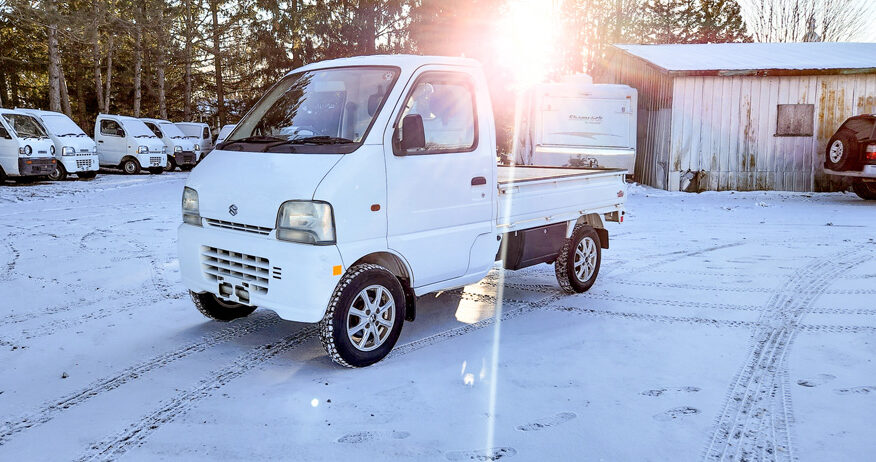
192,131
61,125
25,126
171,130
319,111
137,128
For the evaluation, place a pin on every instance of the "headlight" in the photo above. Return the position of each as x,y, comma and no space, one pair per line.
52,149
164,149
177,149
27,150
68,151
306,222
197,147
143,150
190,207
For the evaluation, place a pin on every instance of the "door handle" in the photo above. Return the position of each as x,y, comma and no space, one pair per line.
478,181
100,141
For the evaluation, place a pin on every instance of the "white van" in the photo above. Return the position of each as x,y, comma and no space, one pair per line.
75,151
224,132
127,143
200,133
575,123
25,148
182,152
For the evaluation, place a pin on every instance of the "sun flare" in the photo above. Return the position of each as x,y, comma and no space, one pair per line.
527,37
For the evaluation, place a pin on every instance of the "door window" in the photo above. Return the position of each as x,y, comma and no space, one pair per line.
4,134
206,134
155,129
446,103
110,128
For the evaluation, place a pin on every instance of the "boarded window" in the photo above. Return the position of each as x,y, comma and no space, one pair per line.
795,120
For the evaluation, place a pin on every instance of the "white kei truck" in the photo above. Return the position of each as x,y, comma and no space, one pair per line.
355,185
127,143
182,151
576,123
200,133
75,151
25,148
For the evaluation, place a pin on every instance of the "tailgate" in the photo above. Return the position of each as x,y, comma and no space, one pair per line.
536,196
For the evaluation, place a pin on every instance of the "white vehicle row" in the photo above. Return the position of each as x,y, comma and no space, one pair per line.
36,143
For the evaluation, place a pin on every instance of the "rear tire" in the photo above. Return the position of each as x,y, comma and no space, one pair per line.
578,262
219,310
841,151
865,190
131,166
364,317
59,173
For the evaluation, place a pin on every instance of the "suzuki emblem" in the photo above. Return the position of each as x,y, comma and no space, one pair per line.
232,209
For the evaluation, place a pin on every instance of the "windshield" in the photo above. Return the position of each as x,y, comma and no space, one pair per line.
193,131
61,125
331,108
25,126
137,128
171,130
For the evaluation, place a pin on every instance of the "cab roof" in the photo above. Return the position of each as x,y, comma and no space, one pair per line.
40,112
405,62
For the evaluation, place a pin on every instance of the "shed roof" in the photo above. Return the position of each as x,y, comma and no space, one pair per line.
758,58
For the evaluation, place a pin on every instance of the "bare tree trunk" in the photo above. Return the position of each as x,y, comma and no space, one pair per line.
217,63
65,95
109,74
161,63
367,15
14,89
80,108
54,59
95,56
187,96
138,58
2,86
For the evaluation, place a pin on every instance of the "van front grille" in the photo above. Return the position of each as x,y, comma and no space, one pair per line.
155,160
250,269
83,163
238,226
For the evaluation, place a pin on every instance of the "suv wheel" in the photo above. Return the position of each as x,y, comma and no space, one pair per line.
842,151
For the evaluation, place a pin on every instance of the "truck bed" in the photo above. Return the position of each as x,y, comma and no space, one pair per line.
536,196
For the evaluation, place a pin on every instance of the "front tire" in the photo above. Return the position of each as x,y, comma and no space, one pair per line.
59,173
156,170
171,164
131,166
186,168
865,190
214,308
90,175
578,263
364,317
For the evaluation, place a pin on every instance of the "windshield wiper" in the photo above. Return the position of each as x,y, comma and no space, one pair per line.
145,136
253,139
69,134
320,140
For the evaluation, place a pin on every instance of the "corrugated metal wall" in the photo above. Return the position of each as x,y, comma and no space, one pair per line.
722,128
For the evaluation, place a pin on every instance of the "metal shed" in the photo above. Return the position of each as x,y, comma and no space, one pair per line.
742,116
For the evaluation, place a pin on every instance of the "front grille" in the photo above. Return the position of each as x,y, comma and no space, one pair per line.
83,163
239,226
155,160
252,270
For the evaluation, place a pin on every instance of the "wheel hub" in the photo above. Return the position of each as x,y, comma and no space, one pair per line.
585,259
370,318
836,151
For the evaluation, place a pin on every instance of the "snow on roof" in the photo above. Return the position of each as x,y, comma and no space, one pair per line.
402,61
748,58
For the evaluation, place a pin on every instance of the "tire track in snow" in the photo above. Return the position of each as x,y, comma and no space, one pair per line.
137,432
257,321
751,424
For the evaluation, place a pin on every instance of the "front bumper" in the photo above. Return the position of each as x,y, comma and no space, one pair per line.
36,166
295,280
152,160
185,158
80,163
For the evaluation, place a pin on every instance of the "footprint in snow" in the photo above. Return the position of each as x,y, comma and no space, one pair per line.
676,413
481,454
547,422
820,379
660,391
856,390
362,437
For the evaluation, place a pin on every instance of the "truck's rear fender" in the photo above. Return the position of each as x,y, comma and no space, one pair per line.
594,221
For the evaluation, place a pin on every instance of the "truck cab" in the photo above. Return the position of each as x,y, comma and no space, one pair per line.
200,133
25,147
182,151
75,151
127,143
355,185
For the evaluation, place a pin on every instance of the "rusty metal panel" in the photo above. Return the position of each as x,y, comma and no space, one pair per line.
795,119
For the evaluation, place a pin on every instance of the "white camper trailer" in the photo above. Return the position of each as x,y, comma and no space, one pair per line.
576,123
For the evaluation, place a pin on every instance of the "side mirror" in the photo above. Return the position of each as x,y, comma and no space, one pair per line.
413,134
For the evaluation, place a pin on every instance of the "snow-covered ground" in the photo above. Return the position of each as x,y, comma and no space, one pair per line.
722,325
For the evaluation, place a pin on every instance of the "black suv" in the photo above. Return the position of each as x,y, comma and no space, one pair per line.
851,152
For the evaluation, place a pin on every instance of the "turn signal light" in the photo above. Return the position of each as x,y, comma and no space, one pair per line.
870,152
